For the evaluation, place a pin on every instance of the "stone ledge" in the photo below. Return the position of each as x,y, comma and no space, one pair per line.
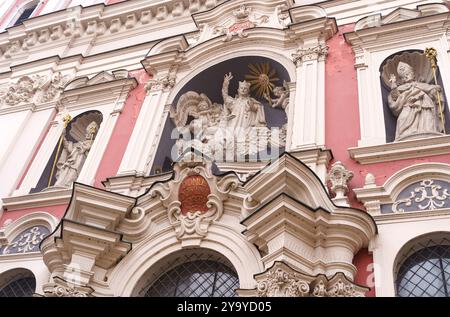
41,199
401,150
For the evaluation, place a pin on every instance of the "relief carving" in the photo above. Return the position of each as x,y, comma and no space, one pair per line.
33,89
194,198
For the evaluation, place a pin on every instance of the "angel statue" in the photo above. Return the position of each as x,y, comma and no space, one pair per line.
415,105
281,99
73,157
206,119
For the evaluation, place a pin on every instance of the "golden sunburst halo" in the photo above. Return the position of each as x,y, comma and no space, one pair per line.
261,78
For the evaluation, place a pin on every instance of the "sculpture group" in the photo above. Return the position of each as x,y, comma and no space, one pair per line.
236,128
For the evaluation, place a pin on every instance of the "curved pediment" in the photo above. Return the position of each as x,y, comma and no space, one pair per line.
230,12
290,176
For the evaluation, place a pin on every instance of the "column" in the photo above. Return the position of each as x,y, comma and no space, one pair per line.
308,128
143,142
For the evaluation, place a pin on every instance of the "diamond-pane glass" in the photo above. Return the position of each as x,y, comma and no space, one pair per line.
200,278
19,287
426,273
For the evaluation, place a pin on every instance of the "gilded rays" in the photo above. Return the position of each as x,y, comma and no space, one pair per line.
261,78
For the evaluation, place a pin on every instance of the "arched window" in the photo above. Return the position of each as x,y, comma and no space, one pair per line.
425,270
24,12
194,274
17,283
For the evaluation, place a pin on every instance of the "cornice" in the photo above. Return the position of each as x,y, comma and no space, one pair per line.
426,26
401,150
126,20
41,199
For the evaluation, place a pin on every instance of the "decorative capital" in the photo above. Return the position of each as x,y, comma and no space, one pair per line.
318,52
339,286
163,83
282,281
339,176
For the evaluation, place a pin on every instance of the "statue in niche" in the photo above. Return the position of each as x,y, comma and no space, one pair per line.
415,104
73,156
246,112
239,125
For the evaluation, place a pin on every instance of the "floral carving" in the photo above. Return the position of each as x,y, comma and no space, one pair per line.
280,283
428,196
343,288
320,289
283,281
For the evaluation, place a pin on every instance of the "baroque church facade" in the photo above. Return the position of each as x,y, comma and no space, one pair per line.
225,148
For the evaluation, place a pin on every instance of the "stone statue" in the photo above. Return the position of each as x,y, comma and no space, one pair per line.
73,156
415,105
246,112
281,99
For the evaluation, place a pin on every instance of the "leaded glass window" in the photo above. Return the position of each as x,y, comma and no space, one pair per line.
19,285
196,278
426,272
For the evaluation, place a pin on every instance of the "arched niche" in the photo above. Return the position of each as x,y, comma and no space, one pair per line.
422,67
75,133
209,83
210,268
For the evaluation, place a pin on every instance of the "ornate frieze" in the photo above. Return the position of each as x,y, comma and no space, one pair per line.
27,241
318,52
